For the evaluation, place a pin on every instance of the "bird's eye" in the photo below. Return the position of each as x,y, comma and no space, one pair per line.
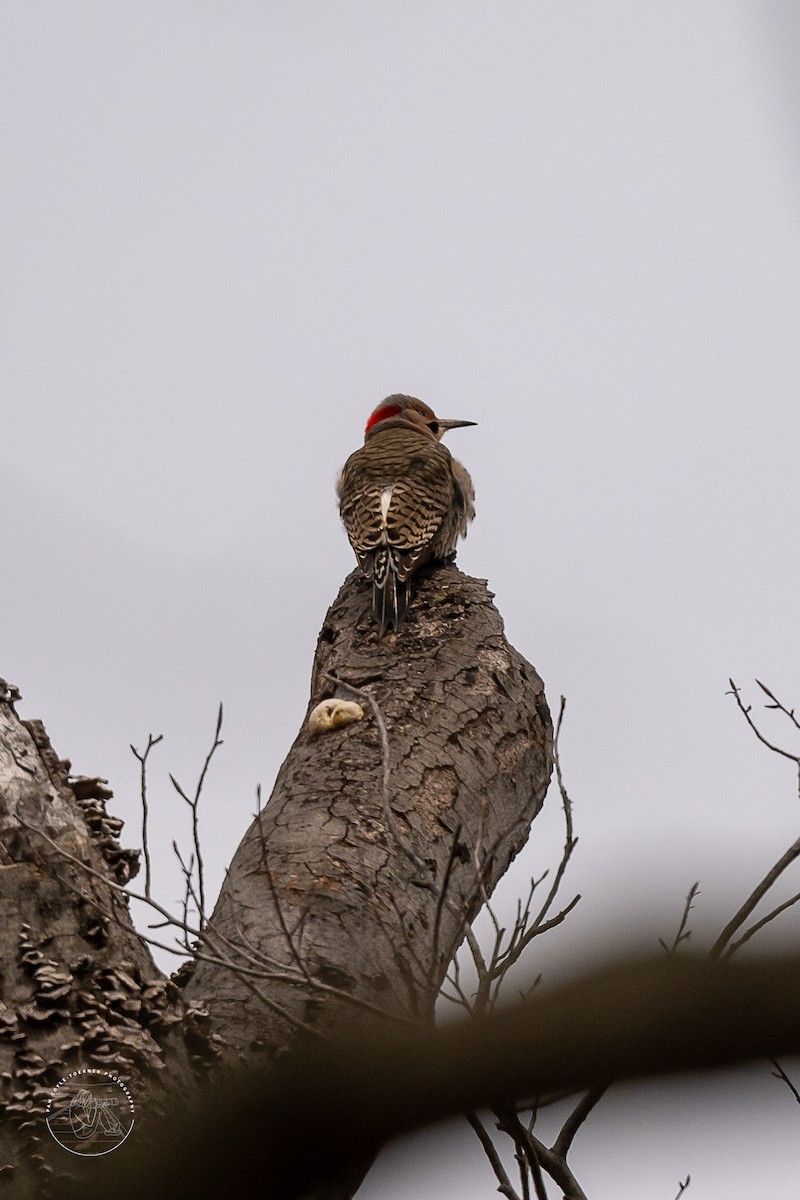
433,426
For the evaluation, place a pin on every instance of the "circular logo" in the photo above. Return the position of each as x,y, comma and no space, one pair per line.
90,1112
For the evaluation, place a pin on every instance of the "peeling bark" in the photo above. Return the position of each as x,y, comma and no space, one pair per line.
343,904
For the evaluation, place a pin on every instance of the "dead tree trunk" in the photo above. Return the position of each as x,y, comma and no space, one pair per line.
343,904
364,908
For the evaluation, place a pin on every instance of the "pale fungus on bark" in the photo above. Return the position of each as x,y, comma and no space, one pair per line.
333,714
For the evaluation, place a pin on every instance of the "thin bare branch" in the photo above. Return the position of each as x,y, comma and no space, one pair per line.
510,956
524,1174
580,1112
532,1159
151,742
776,912
490,1150
194,805
187,870
548,1160
453,978
567,803
778,704
779,1073
524,1151
570,841
746,709
683,933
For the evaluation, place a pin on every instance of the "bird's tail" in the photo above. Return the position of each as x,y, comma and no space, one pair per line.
389,592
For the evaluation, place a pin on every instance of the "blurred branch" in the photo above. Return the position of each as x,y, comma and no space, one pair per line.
628,1021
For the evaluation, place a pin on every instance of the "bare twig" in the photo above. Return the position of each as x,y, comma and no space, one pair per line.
151,742
779,1073
524,1175
194,805
454,979
188,890
505,1187
548,1160
512,954
683,933
746,709
562,1144
524,1153
682,1186
535,1167
776,703
570,841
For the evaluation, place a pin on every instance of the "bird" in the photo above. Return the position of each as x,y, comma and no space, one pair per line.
404,501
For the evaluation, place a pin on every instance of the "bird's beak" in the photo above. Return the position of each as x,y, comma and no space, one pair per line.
445,425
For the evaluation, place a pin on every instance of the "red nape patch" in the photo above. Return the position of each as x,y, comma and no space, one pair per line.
382,414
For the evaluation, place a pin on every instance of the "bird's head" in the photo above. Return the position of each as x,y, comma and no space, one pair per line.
407,410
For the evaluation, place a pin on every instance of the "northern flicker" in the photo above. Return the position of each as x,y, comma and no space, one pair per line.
404,500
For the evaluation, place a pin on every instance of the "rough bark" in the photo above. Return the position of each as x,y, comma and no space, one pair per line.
343,904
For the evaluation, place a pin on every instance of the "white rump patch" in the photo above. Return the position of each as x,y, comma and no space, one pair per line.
386,499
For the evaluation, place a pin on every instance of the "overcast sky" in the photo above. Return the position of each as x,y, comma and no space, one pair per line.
228,229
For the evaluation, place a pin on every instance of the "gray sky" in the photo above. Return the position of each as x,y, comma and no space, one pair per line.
228,230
